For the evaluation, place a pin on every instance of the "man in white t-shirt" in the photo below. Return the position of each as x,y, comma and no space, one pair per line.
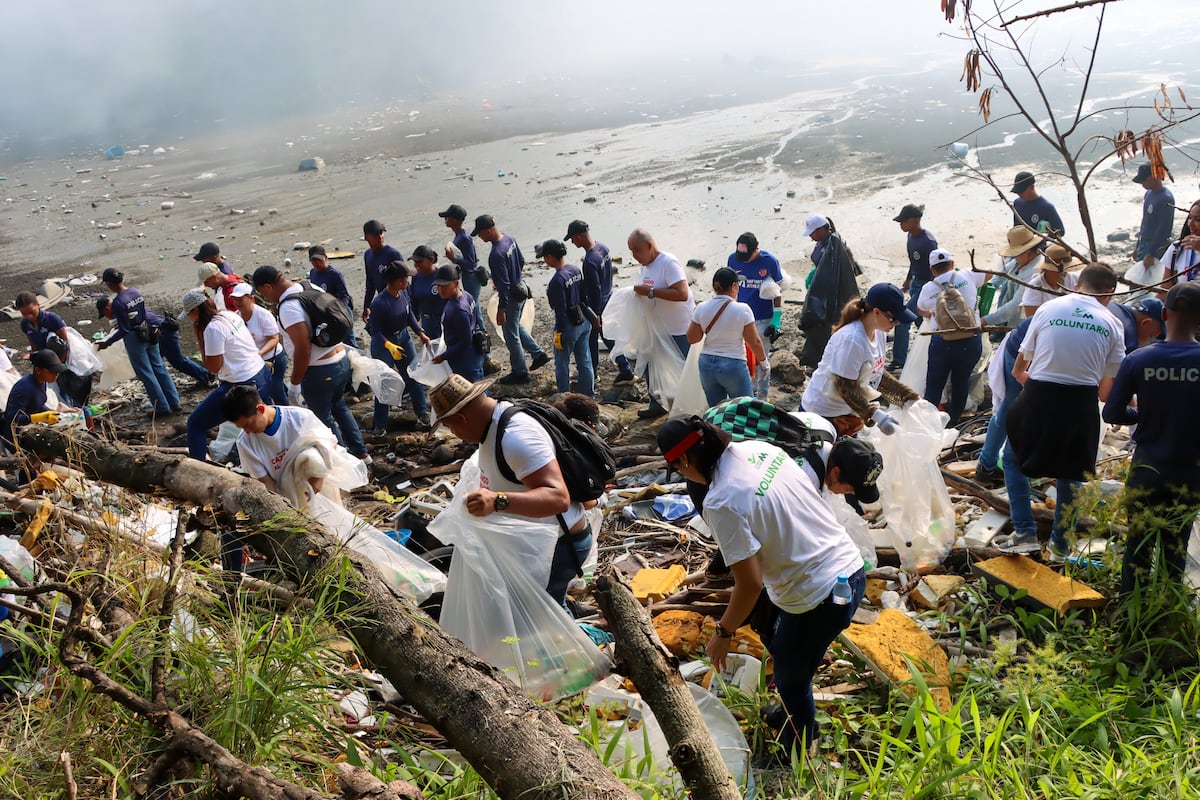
320,374
541,493
1067,362
952,355
664,283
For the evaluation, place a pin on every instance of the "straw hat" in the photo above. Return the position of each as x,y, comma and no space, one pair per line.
1020,240
452,395
1058,259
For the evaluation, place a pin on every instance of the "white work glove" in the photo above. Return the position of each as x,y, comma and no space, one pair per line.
886,422
760,371
294,394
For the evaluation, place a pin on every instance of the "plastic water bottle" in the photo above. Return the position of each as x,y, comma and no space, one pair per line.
842,594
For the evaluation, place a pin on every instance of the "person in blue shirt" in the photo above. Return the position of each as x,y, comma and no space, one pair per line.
1164,474
1032,209
427,304
27,397
1158,222
391,320
1142,320
756,266
140,328
597,270
210,253
919,244
332,281
458,326
571,328
377,256
45,329
461,251
506,263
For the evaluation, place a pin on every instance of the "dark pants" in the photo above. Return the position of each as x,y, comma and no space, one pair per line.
594,343
278,365
324,389
415,389
568,558
172,351
209,414
1162,508
954,361
798,646
902,336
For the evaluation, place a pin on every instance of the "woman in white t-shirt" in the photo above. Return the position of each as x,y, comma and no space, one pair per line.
727,329
229,352
265,331
1181,261
1052,279
851,376
775,531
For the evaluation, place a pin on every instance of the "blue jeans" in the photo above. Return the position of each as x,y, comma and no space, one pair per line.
415,389
902,336
277,393
798,646
568,556
148,365
574,340
997,434
432,325
682,344
209,414
168,345
722,377
762,385
468,364
954,360
594,343
517,339
324,389
1020,499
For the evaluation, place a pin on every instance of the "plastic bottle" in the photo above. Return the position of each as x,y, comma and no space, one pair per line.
842,594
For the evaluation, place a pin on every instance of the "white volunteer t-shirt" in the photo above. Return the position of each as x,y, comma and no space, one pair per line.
266,454
849,354
291,313
815,422
1188,260
725,338
1036,297
760,502
1073,340
262,326
662,273
527,448
226,335
967,283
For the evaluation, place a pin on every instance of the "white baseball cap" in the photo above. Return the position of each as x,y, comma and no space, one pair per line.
939,256
813,223
241,290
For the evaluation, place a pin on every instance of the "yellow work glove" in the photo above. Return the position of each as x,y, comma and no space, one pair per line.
396,350
48,417
557,340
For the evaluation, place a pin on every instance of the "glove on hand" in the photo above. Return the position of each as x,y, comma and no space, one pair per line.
886,422
295,396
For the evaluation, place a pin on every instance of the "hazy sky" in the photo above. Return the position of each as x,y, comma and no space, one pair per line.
72,69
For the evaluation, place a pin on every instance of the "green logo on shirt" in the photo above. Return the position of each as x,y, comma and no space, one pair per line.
769,476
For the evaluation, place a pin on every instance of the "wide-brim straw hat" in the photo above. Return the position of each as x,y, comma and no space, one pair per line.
453,394
1059,259
1020,240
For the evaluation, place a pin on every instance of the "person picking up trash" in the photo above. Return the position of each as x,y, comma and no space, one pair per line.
774,530
140,327
27,398
851,375
392,317
728,329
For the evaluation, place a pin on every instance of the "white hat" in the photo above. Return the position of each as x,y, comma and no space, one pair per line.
939,257
241,290
813,223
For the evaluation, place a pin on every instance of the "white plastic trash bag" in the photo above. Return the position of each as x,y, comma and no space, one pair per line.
624,323
638,333
916,504
855,525
82,359
496,600
386,383
689,396
404,570
916,367
427,372
527,314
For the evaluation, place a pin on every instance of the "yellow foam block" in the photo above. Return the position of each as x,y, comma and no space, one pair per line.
1043,585
885,643
653,585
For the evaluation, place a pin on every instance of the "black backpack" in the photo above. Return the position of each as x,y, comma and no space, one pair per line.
586,460
329,319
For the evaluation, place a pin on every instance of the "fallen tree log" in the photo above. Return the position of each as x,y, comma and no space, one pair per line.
521,749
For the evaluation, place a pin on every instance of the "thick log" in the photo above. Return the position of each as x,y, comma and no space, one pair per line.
520,748
642,657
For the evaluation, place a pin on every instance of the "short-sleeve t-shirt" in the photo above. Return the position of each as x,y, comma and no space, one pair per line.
1183,262
292,313
760,502
920,245
262,326
265,454
852,355
1073,340
527,448
662,273
226,335
1038,296
967,283
754,272
725,337
47,323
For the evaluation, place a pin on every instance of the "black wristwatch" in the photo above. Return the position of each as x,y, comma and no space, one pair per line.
501,501
722,633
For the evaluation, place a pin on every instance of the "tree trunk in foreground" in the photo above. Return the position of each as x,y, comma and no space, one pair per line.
518,747
642,657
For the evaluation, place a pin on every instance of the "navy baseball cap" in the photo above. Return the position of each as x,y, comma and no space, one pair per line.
860,465
890,300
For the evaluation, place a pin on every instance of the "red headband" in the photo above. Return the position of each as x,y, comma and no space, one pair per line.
685,444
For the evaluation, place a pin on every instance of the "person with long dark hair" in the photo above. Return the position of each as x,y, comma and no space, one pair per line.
774,530
727,327
1181,261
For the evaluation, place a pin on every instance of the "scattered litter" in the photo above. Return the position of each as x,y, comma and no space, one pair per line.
311,164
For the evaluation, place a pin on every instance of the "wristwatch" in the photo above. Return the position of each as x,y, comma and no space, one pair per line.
722,633
501,501
650,293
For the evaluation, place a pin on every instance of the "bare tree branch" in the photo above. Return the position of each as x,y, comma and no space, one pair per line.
1056,10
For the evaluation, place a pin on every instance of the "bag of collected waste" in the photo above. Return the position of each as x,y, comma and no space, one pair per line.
493,306
920,517
855,526
689,396
427,372
386,383
638,333
316,454
496,600
402,569
83,359
117,367
224,446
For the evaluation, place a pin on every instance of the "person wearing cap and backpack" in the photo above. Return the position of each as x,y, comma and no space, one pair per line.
264,330
948,302
1030,208
918,245
571,327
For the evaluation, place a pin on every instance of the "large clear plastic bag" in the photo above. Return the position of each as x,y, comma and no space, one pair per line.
386,383
916,504
855,526
117,367
638,333
427,372
527,314
496,600
404,570
689,396
82,359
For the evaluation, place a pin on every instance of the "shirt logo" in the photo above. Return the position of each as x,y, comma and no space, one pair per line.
1079,313
762,273
757,459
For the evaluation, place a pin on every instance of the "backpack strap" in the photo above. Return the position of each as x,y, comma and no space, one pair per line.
507,472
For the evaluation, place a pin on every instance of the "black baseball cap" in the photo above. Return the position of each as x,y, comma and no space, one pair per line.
859,464
482,223
48,359
553,247
889,299
424,251
576,227
1184,297
373,227
207,250
112,275
1143,174
316,250
725,277
747,243
1022,182
454,211
910,211
445,274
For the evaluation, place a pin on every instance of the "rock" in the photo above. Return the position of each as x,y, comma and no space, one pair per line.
1119,236
166,205
311,164
785,368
